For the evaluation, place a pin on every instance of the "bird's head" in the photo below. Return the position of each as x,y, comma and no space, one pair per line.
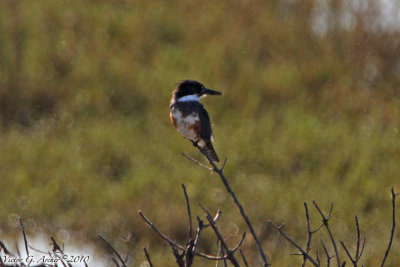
191,90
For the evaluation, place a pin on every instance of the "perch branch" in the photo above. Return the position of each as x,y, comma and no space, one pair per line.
238,204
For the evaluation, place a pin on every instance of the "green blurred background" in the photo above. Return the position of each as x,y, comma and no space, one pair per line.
310,111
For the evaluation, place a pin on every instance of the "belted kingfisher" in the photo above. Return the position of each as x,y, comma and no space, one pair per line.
189,116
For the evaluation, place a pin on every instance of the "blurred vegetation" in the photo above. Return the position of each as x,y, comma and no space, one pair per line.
310,111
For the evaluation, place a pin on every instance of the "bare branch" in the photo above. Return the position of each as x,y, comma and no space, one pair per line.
174,244
216,217
328,258
56,247
222,251
223,165
288,238
317,229
243,258
359,252
190,233
113,250
240,242
6,251
24,234
197,162
325,220
393,227
178,257
166,238
115,262
229,253
353,261
358,238
318,260
238,204
309,234
198,234
147,257
362,248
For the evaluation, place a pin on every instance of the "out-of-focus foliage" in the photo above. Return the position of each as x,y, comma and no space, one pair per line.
310,111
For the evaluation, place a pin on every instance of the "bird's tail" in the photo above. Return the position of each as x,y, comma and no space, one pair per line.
208,149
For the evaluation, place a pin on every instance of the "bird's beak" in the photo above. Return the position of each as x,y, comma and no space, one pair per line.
210,92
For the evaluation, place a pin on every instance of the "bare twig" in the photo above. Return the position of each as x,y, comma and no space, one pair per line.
353,261
24,234
166,238
393,227
113,250
238,204
222,251
173,244
240,243
288,238
197,162
6,251
362,248
359,252
328,258
178,257
198,234
358,238
56,248
190,233
243,258
223,165
318,260
210,257
147,257
115,262
325,220
309,234
55,245
216,217
229,253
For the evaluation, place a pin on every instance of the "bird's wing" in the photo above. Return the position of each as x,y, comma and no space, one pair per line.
205,125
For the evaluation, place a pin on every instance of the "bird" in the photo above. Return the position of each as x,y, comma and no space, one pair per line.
190,118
